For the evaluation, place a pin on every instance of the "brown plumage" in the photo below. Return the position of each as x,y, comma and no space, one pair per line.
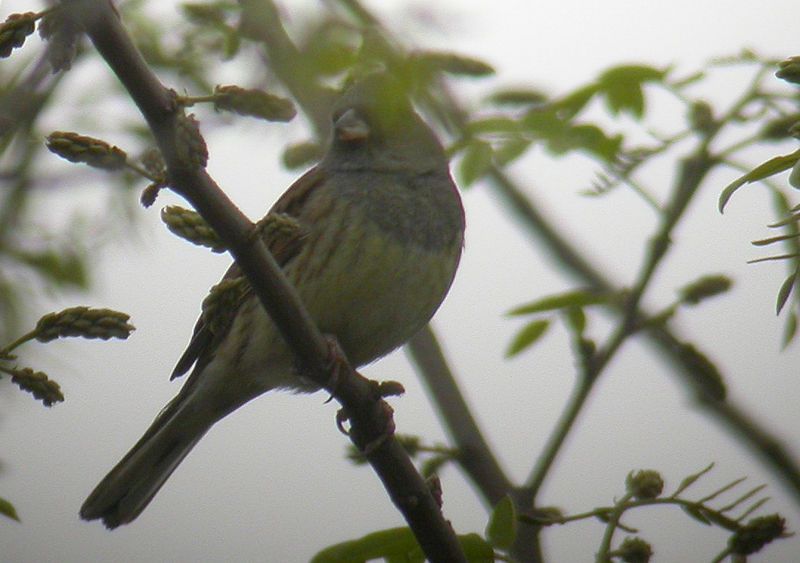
371,238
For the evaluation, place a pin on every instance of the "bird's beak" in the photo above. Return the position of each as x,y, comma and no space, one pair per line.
350,127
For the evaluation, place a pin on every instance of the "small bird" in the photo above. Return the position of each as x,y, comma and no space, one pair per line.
371,238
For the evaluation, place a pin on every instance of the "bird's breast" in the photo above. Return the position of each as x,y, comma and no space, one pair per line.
372,286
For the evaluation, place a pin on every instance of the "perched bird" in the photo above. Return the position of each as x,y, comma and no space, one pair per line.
371,238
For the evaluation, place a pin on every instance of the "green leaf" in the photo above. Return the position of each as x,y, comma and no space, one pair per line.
475,162
397,543
788,220
589,138
563,136
790,330
625,98
576,298
510,150
794,177
453,63
720,520
687,81
527,337
778,129
477,549
786,290
636,74
204,14
772,240
327,49
774,258
696,513
62,268
622,87
501,531
432,465
231,44
576,320
692,479
544,123
703,288
517,97
764,170
493,125
569,106
7,509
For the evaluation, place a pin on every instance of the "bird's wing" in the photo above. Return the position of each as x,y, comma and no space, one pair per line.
284,235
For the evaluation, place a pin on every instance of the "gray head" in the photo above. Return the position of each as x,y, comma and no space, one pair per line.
375,127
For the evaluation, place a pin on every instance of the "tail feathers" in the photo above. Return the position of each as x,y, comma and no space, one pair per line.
131,485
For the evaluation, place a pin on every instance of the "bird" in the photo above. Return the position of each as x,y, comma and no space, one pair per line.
370,237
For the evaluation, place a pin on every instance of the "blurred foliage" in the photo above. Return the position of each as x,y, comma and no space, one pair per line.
644,488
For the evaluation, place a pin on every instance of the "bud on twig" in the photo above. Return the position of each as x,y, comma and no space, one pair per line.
15,30
634,550
85,323
150,193
156,170
219,307
189,225
789,70
644,484
279,226
756,534
256,103
701,117
91,151
703,288
190,145
38,384
781,128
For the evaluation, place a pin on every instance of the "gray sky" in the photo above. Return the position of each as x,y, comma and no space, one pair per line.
270,482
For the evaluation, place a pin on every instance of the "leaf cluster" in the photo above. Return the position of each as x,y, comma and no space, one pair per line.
81,322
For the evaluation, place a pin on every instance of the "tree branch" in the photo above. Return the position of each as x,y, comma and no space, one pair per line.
369,416
475,455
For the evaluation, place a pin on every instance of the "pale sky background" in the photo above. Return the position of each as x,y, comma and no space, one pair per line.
270,483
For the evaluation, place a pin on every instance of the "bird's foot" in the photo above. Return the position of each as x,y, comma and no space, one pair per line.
384,416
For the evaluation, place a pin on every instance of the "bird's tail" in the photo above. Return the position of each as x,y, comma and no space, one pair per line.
134,481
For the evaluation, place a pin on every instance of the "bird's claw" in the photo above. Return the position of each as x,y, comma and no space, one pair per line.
342,416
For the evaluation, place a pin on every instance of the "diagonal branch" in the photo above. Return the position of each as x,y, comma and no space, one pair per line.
369,416
475,456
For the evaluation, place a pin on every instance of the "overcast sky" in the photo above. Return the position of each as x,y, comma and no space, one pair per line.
270,483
